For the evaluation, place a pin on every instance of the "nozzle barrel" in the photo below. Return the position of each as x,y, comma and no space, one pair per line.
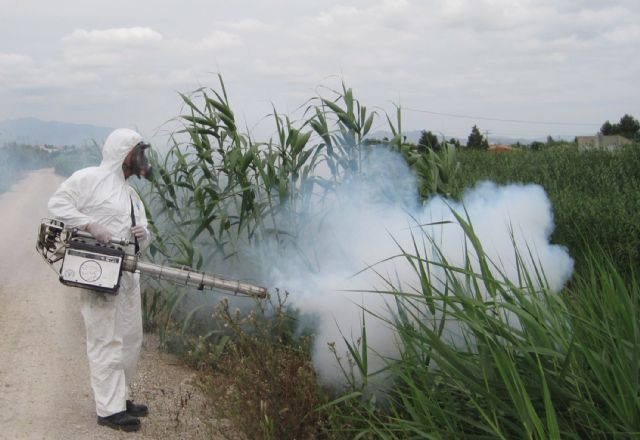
193,278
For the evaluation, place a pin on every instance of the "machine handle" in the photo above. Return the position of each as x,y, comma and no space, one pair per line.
117,241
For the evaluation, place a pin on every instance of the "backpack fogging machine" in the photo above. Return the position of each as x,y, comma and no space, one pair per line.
82,261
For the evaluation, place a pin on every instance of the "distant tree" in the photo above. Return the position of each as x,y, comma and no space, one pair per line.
606,129
476,140
429,140
454,142
537,145
628,127
374,141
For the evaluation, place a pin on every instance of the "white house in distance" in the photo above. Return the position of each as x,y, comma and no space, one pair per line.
48,148
610,142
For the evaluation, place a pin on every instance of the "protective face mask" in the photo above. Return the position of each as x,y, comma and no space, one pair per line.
139,164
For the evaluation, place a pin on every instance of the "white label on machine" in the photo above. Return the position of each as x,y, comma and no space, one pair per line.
91,268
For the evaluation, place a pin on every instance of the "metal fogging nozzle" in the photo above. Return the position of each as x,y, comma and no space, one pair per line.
192,278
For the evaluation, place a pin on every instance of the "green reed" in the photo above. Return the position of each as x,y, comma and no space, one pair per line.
527,364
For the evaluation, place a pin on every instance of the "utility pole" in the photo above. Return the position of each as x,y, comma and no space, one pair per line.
486,135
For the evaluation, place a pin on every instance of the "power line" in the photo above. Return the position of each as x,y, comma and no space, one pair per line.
483,118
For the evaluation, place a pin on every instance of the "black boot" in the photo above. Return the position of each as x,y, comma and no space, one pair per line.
120,420
137,410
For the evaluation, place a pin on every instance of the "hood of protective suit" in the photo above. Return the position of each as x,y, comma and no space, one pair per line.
115,149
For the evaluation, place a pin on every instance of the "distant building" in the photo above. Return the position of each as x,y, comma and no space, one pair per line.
48,148
609,142
500,148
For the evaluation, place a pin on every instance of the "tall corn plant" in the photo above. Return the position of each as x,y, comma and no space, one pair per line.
204,187
342,124
436,170
217,187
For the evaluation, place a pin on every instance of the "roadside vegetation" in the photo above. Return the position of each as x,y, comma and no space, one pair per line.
564,366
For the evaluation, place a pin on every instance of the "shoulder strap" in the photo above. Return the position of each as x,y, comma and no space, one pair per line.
133,223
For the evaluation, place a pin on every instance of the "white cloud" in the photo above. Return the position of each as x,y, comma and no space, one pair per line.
135,36
14,69
339,15
220,40
246,25
629,34
12,60
150,80
293,69
110,47
21,74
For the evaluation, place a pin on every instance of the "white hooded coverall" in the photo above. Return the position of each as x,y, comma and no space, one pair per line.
113,322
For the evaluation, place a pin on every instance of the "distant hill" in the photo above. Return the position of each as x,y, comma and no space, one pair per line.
36,131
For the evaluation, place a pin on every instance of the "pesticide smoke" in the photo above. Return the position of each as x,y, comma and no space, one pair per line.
375,216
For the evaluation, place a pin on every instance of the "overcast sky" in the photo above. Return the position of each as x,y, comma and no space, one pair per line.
122,63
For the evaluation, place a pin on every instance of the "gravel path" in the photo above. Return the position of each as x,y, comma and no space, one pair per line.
44,376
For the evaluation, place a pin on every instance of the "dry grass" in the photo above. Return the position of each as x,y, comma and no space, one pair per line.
271,398
259,377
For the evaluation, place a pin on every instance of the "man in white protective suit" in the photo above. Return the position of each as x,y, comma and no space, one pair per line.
100,201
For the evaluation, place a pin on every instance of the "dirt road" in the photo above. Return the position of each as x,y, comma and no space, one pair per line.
44,377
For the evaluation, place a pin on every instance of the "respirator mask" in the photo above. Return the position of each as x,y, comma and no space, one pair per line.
138,163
